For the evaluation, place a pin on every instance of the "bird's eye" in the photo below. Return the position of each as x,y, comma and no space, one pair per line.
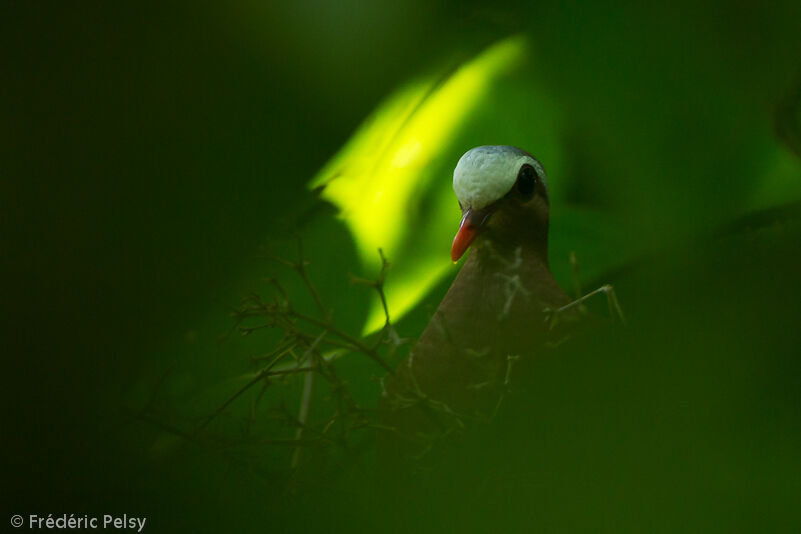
526,181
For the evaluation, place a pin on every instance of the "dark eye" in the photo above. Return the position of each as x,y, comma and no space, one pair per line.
526,181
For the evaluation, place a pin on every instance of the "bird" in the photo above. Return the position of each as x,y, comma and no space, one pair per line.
495,313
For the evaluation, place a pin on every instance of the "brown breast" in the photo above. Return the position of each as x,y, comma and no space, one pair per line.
493,314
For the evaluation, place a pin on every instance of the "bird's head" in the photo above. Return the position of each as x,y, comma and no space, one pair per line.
503,193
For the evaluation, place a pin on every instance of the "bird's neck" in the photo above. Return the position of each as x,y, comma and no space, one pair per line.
527,251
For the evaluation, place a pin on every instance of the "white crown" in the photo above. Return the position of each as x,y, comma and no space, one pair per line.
486,173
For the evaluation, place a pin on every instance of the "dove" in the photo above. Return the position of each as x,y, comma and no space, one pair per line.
495,312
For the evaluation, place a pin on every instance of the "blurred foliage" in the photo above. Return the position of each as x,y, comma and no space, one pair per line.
390,181
152,149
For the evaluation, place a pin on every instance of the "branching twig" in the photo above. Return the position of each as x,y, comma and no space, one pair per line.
310,345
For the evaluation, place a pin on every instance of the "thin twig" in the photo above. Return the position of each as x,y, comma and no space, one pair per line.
361,347
303,415
305,402
300,267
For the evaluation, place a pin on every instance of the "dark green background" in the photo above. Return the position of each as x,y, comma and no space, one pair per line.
148,150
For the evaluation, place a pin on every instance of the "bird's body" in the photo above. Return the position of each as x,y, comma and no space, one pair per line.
495,311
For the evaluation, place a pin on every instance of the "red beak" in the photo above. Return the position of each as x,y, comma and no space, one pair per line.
466,234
